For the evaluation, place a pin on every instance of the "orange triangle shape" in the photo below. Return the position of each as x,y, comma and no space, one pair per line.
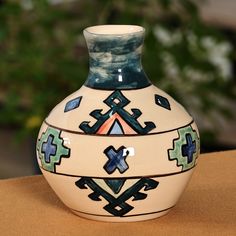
107,125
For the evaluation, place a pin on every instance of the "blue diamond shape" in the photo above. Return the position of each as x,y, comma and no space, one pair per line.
162,101
72,104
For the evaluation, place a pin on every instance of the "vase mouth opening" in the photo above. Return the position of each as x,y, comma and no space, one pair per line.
114,30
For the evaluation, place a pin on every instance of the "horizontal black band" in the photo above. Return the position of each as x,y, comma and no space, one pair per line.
141,214
125,177
115,87
115,135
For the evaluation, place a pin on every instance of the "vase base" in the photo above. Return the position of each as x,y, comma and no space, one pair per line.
132,218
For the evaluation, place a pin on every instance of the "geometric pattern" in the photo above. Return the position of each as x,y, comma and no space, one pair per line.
162,101
51,149
115,184
116,101
185,148
189,148
117,205
116,128
116,159
72,104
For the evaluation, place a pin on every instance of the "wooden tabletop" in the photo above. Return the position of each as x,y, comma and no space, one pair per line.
28,206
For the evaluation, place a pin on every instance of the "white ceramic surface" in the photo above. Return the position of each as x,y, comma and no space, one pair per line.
119,150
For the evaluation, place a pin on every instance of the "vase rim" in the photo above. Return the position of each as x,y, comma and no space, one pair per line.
114,30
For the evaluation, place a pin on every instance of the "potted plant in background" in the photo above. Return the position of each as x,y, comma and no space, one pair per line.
44,57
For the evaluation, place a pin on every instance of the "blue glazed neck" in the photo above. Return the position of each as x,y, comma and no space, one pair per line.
115,57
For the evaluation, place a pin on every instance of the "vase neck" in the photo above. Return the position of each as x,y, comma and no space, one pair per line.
115,57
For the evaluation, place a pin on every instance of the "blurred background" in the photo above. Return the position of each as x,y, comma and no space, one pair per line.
189,52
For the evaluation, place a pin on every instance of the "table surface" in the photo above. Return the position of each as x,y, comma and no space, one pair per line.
28,206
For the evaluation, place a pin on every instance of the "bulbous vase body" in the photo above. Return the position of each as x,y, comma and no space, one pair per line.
119,148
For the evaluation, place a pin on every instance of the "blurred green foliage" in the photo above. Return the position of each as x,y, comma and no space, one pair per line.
44,56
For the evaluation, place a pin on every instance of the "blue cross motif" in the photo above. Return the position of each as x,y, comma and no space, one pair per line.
189,148
49,149
116,159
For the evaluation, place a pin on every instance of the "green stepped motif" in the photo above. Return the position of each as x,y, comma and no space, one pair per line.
185,148
51,149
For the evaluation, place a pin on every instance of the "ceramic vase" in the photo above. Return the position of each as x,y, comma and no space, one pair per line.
119,148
